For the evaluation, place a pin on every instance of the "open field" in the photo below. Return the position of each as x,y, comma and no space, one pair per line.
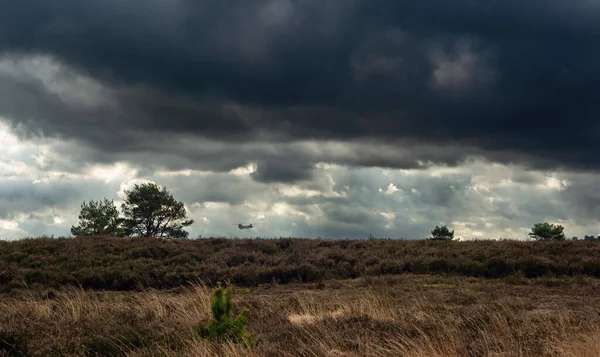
136,297
404,315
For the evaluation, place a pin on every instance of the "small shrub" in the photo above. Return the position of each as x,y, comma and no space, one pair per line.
534,267
371,261
591,266
439,266
224,327
516,278
417,267
498,268
390,267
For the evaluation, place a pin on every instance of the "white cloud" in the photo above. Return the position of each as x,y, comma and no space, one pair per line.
555,183
9,226
10,230
295,191
12,168
391,187
390,216
244,170
109,173
128,185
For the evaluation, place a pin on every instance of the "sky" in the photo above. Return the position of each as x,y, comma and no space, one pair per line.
307,118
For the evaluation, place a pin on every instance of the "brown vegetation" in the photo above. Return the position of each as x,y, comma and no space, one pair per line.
103,263
405,315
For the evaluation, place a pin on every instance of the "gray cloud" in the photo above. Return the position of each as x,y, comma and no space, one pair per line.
459,74
288,170
213,187
582,198
24,196
477,199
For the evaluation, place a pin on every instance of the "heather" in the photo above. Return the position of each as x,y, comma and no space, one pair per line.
121,264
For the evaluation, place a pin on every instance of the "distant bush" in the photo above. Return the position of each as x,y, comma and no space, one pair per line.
547,231
441,233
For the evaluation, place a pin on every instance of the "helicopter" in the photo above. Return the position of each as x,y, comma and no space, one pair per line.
241,226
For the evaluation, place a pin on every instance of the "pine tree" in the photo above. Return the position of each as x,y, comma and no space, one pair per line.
224,327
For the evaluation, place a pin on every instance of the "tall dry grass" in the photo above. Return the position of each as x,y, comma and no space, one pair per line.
402,316
586,345
74,322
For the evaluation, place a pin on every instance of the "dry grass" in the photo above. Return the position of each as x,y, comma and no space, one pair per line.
74,322
587,345
412,316
312,309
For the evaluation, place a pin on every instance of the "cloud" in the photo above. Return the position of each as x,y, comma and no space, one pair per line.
464,70
123,76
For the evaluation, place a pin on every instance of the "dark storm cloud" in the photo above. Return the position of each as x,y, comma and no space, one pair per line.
515,81
582,197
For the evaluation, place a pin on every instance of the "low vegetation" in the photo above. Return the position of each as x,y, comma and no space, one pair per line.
399,316
110,263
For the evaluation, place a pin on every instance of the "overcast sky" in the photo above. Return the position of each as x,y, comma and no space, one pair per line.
330,118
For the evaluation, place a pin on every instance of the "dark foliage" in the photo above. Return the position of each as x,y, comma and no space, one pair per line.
152,211
442,233
98,218
110,263
547,231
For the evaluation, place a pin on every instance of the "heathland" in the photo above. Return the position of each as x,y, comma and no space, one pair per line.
305,297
